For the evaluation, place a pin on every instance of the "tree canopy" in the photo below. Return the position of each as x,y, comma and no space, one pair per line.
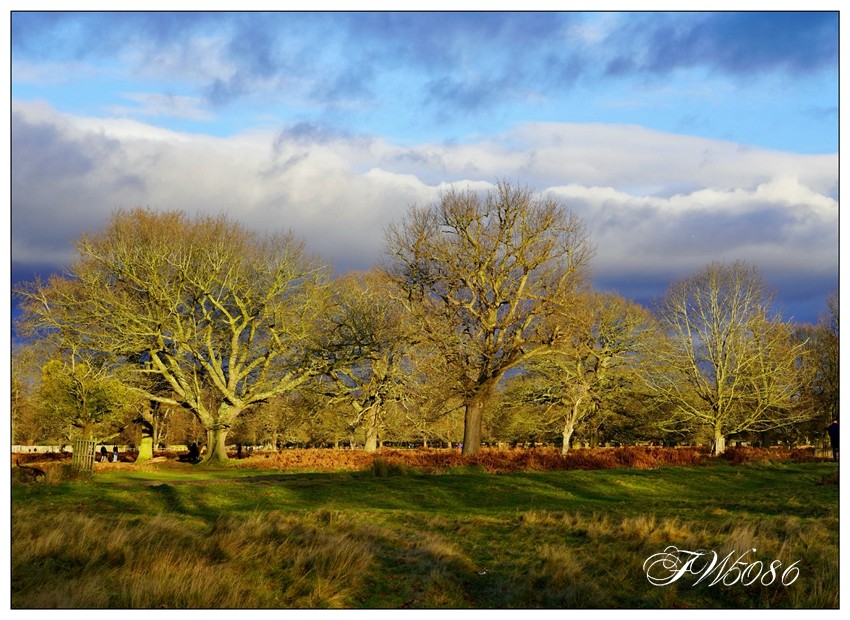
480,274
731,366
483,298
223,315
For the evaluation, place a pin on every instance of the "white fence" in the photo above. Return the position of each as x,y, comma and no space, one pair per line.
42,449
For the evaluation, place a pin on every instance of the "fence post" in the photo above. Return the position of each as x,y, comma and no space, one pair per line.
83,457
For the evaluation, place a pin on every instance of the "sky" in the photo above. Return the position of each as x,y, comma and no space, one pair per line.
679,138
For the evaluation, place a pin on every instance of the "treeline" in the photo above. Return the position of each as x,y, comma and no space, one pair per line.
479,325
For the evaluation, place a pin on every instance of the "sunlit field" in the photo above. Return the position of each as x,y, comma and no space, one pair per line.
429,532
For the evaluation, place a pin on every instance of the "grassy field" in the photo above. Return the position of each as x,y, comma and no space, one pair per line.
389,537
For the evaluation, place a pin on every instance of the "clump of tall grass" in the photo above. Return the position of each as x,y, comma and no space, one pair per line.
829,478
438,567
383,468
258,561
646,529
559,578
65,472
48,473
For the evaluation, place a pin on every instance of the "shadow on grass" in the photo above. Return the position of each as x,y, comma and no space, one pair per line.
459,540
685,491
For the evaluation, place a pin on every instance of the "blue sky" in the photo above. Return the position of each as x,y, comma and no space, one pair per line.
680,138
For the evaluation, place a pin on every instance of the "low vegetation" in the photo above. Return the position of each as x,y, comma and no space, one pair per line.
382,532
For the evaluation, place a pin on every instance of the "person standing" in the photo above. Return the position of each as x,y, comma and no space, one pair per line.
833,439
114,454
103,455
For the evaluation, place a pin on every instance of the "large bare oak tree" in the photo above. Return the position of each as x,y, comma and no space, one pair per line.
731,366
221,315
481,273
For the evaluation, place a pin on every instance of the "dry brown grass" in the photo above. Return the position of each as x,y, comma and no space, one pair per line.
492,460
233,546
165,561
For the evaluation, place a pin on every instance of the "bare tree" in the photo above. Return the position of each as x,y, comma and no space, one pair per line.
602,342
28,423
822,345
730,366
219,313
480,275
367,345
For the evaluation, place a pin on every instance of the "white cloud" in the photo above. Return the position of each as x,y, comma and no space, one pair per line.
51,73
192,59
160,105
655,204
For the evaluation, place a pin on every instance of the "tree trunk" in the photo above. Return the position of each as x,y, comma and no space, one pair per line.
146,421
719,442
569,425
145,449
372,417
474,415
216,450
472,427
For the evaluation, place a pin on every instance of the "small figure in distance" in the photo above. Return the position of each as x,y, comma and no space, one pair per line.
103,456
833,439
114,454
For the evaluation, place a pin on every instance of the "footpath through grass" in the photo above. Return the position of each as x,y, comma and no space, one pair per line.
263,538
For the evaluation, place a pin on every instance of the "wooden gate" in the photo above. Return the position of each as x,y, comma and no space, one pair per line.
83,457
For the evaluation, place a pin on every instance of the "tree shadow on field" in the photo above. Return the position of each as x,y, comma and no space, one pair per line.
420,568
626,491
169,498
455,493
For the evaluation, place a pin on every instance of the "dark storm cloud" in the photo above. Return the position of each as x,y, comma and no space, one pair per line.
43,151
61,157
801,299
62,183
264,49
224,91
439,40
254,48
563,70
455,94
475,61
326,57
309,133
480,61
738,43
353,81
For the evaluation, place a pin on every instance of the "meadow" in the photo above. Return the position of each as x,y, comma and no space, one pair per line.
377,532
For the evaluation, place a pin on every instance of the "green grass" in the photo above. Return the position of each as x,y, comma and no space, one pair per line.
392,538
